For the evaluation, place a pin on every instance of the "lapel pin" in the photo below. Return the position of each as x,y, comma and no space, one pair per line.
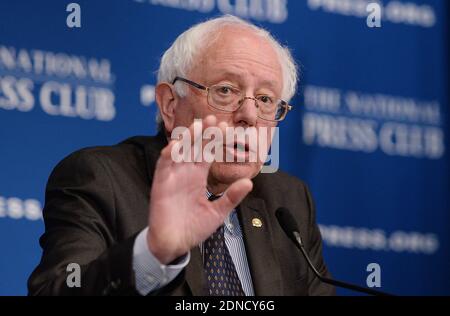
256,222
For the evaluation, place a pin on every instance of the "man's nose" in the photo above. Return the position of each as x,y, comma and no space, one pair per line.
247,114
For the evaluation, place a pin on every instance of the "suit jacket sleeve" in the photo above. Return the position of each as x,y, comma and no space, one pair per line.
80,226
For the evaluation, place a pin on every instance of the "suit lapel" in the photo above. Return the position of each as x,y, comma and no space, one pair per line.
262,261
195,277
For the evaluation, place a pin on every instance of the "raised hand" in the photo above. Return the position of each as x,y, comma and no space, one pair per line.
180,216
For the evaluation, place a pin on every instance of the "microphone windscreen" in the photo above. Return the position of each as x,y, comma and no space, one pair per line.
286,221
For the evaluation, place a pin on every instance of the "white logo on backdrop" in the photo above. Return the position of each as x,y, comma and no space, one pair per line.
16,208
361,122
147,94
399,12
274,11
363,238
65,85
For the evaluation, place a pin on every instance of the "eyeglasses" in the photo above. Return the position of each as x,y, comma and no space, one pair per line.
227,98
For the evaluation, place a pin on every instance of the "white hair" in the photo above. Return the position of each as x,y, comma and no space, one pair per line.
179,59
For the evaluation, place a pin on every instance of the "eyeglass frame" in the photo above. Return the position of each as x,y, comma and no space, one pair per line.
207,89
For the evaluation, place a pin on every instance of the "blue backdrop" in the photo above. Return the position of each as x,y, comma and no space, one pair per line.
369,132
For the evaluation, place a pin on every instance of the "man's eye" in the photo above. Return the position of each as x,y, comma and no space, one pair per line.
265,99
224,90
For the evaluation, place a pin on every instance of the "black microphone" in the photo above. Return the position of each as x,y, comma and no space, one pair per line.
290,227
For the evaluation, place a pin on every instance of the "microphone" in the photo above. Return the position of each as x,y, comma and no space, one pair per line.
290,227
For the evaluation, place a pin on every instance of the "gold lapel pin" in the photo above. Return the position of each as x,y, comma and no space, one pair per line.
256,222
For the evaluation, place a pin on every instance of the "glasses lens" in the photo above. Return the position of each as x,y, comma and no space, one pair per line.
281,110
271,110
228,98
224,97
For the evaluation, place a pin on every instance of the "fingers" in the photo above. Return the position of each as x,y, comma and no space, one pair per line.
165,158
233,196
196,134
198,141
165,153
212,142
197,127
187,147
210,120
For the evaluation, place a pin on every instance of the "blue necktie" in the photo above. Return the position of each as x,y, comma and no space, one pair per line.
220,271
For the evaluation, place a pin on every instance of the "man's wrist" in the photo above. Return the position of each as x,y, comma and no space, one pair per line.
150,273
160,253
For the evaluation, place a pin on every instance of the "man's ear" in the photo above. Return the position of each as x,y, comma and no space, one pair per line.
167,100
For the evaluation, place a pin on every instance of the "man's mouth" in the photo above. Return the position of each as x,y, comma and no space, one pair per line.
241,147
238,152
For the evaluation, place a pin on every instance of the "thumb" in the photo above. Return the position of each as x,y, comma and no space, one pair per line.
233,196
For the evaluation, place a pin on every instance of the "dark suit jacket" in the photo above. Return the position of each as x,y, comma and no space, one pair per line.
97,201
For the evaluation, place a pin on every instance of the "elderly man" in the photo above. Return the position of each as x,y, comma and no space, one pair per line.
137,222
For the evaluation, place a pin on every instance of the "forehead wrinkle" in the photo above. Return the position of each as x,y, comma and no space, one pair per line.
223,74
238,51
237,67
237,60
245,52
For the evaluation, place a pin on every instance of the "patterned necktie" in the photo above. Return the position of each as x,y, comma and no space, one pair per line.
219,268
